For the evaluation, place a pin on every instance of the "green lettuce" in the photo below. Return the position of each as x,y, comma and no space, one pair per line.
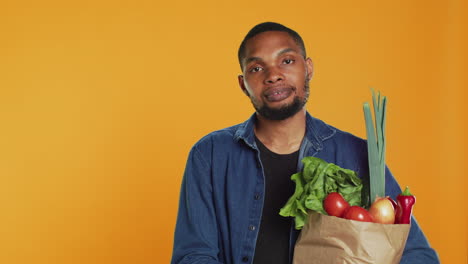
314,183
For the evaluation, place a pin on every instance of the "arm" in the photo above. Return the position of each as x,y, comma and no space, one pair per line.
196,235
417,249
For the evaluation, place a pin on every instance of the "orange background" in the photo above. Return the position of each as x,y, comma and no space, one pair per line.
101,101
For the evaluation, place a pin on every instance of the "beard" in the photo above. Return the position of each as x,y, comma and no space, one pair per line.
285,111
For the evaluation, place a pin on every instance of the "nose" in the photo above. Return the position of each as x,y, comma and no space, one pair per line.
273,75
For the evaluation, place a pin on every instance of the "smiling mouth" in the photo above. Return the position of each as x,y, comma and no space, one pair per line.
278,94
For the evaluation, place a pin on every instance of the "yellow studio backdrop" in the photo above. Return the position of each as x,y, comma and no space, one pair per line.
100,102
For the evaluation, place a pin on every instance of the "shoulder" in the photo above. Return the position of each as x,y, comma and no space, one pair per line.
223,136
344,149
329,134
344,137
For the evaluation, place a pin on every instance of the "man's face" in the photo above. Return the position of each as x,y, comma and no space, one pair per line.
275,75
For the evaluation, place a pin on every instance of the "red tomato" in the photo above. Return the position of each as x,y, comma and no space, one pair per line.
334,204
357,213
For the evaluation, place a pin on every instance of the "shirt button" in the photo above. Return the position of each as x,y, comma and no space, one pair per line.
252,228
257,196
245,259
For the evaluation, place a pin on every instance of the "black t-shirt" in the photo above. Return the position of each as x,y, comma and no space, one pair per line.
274,233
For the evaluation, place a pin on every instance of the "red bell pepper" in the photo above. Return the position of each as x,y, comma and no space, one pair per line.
405,202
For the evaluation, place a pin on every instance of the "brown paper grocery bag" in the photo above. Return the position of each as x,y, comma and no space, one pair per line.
328,239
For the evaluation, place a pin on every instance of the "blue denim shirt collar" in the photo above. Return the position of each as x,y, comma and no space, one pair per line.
316,132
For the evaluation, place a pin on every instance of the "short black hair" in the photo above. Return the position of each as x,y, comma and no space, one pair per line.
269,26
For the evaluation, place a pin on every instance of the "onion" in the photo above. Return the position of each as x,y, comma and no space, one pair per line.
382,211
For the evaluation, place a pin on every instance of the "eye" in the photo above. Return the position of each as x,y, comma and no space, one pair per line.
288,61
256,69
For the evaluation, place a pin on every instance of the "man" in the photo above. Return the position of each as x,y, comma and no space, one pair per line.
237,179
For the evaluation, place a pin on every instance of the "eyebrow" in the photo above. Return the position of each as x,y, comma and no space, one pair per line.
250,59
285,51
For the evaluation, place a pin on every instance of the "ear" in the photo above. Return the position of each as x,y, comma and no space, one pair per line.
240,78
310,68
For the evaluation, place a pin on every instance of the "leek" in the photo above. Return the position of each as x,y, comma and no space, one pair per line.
376,144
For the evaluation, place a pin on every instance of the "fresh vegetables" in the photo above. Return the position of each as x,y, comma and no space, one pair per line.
314,183
376,145
358,214
335,204
405,202
326,188
382,211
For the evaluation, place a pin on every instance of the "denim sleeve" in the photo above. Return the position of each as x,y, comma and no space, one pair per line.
417,249
196,235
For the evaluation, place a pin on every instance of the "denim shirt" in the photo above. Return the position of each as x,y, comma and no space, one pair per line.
222,193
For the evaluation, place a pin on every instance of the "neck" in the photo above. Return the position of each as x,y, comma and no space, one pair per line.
282,136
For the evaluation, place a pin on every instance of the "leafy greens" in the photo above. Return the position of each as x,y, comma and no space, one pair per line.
314,183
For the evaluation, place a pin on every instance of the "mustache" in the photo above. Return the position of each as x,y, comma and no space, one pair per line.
280,87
